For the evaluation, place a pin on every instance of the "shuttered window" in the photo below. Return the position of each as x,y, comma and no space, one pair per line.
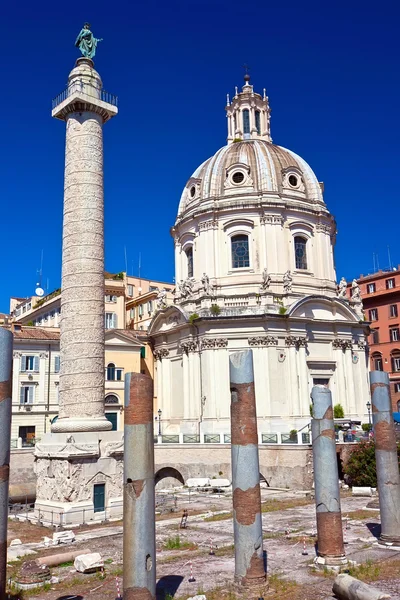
56,364
26,395
29,363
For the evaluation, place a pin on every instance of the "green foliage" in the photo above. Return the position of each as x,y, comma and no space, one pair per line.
361,466
56,292
173,543
366,427
311,409
237,140
193,317
282,310
338,411
293,433
215,309
30,323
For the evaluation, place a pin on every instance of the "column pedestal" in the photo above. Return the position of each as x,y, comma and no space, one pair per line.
71,470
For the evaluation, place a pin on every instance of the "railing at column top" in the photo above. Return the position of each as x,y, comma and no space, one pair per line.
103,96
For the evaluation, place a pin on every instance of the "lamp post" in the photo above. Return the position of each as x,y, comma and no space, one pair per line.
369,414
159,421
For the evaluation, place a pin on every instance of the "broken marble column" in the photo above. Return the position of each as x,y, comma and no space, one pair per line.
326,478
139,496
387,463
6,346
247,522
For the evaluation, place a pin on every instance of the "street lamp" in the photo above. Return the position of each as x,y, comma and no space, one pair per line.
159,421
369,413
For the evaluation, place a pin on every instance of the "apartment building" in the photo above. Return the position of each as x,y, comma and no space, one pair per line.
129,303
380,294
36,368
141,302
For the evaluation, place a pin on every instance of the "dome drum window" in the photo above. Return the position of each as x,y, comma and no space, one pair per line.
238,177
300,251
240,251
192,191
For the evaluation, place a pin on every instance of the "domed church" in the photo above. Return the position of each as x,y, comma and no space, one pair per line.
254,268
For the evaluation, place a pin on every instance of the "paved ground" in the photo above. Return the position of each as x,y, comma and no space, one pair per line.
290,572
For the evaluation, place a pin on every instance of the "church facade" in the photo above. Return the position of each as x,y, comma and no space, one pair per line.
254,268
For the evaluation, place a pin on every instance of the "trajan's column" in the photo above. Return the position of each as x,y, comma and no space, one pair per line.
65,476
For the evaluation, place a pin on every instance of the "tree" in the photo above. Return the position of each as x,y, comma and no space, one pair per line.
338,411
360,467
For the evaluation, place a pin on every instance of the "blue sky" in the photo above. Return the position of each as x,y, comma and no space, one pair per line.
332,75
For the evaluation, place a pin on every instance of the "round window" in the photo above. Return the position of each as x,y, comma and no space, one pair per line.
293,180
238,177
192,191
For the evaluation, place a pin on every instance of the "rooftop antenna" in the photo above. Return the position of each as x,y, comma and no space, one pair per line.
373,258
39,291
390,260
140,280
377,261
126,261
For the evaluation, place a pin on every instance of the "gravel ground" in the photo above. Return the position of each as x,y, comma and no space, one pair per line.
290,572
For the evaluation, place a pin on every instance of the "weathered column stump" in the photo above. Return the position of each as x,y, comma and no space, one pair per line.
387,464
327,493
6,346
139,500
247,523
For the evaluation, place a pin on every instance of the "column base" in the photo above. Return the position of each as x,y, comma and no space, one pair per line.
388,540
335,563
79,478
78,424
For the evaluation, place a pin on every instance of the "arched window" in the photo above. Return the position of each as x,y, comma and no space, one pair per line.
240,251
395,358
377,363
246,121
258,122
189,257
300,252
111,399
110,372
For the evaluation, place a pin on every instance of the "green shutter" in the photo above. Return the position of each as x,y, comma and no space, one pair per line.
143,352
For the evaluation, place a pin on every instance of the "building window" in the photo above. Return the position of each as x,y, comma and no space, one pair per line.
240,252
189,258
258,122
319,381
394,334
397,388
393,310
396,361
130,290
140,309
153,288
375,336
112,399
132,313
56,364
29,363
27,434
390,283
27,394
371,288
377,362
300,252
113,373
110,320
373,314
150,307
246,121
111,298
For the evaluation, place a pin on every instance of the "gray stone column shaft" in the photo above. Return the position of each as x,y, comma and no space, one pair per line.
82,292
139,498
387,464
327,492
247,522
6,346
